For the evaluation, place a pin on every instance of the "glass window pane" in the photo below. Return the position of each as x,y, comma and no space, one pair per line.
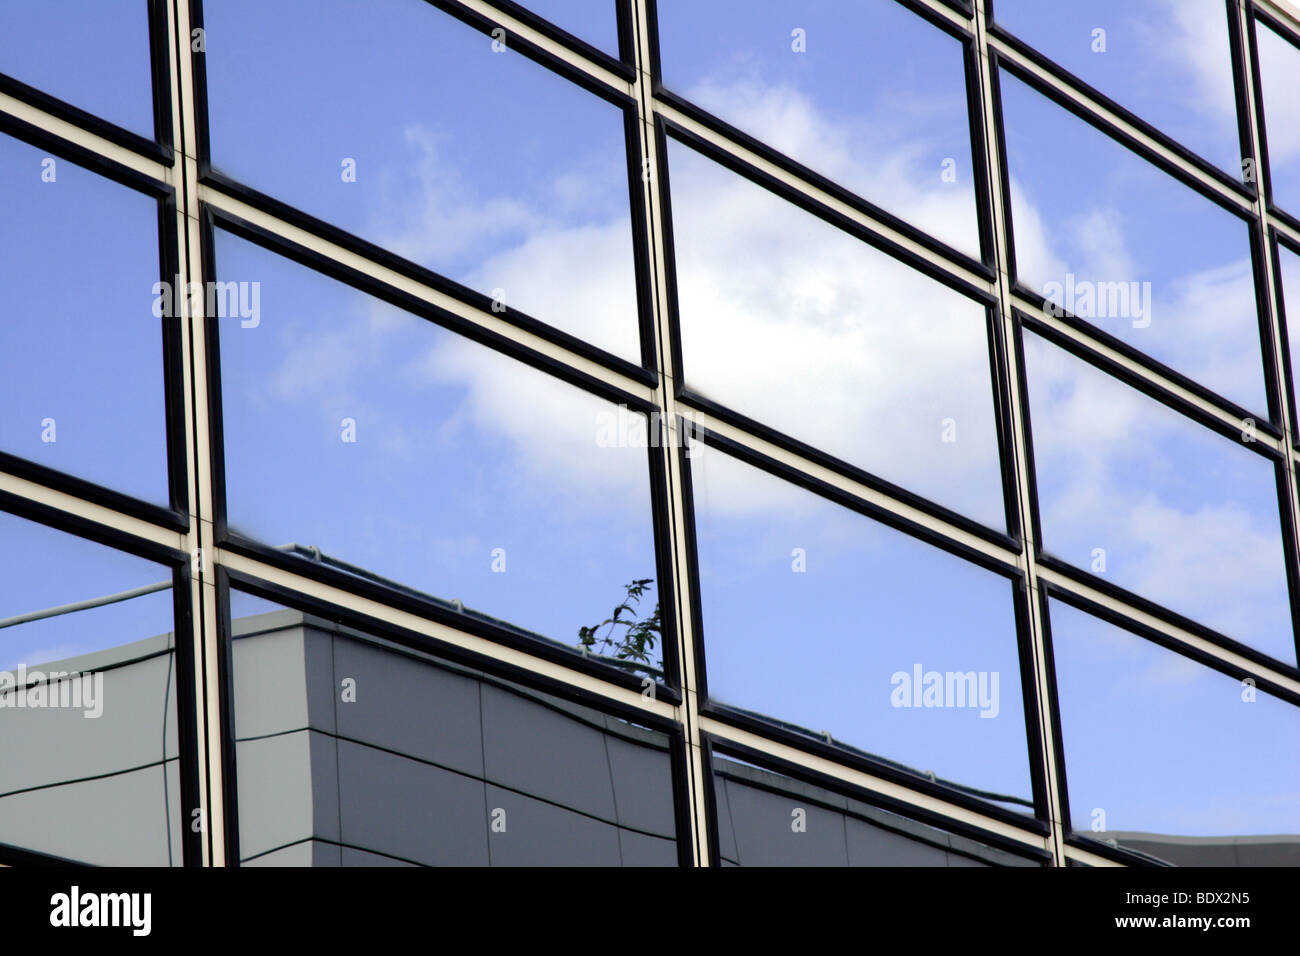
757,809
1279,72
867,94
83,385
805,328
819,618
390,443
1114,240
517,777
93,54
1169,757
1146,498
482,166
1290,281
1168,61
89,760
595,21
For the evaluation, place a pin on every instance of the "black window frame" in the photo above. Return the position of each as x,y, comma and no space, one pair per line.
1279,240
646,371
983,266
1245,188
1037,821
1049,591
1020,289
623,64
668,689
1256,14
1197,417
1011,538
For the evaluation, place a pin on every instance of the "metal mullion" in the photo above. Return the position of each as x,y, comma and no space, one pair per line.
1249,82
593,70
1027,560
198,542
671,440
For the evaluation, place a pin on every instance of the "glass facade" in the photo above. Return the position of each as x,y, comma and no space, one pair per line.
91,767
649,433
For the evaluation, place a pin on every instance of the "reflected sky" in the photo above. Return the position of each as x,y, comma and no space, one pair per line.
458,453
1166,745
1290,281
820,647
93,54
83,385
1168,61
476,478
1184,516
1088,211
875,99
482,166
1279,72
799,325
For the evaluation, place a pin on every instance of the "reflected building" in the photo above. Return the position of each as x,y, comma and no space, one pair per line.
355,750
352,750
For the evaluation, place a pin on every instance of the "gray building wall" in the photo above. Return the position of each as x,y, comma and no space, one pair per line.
417,768
102,790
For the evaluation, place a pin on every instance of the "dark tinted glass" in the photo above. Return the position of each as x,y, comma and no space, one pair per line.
767,819
826,622
1279,72
354,752
805,328
867,94
1169,757
480,165
1114,240
1147,499
1168,61
93,54
381,439
89,759
81,335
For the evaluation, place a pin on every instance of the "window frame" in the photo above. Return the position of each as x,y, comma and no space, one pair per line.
1198,418
982,265
644,371
1022,290
1049,591
1036,821
1011,537
668,689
